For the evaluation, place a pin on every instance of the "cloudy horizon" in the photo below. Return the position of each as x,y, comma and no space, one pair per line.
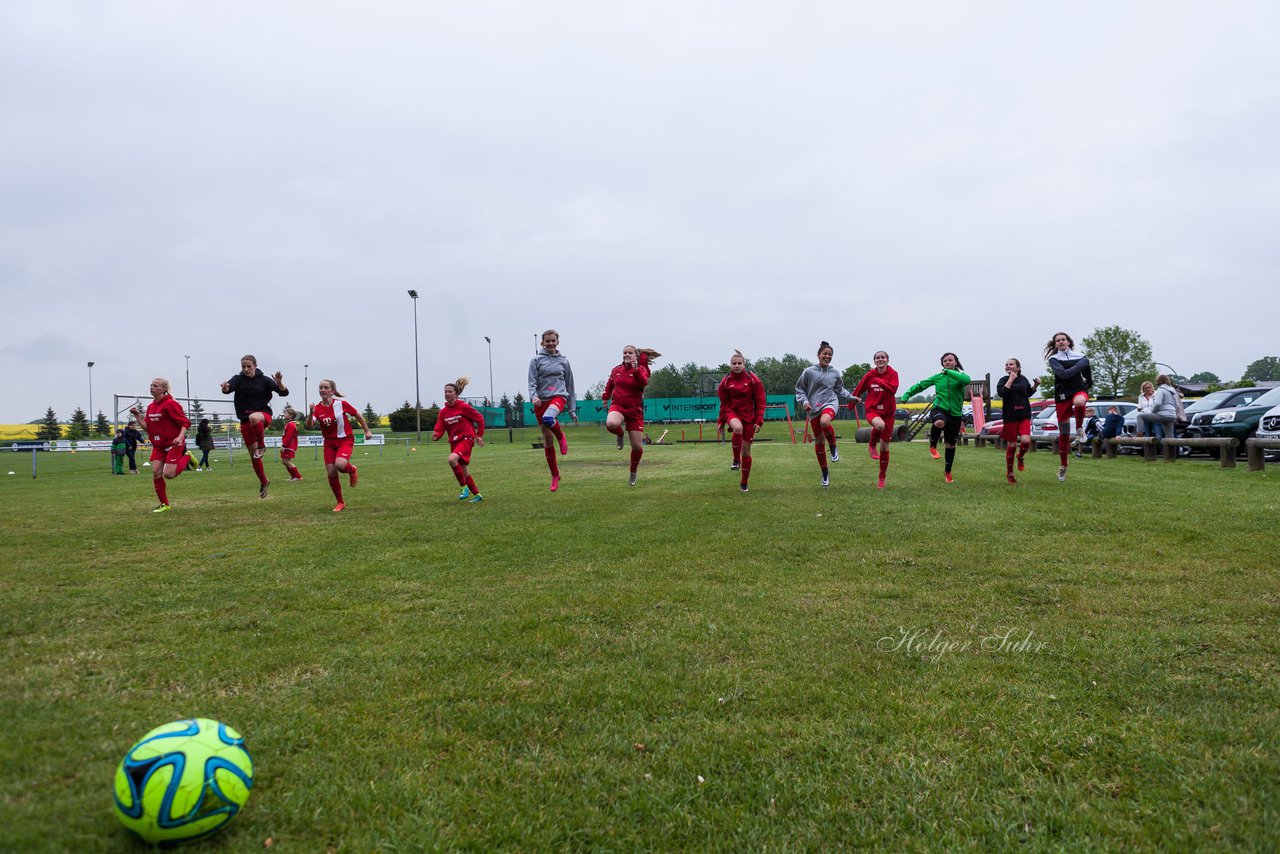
213,181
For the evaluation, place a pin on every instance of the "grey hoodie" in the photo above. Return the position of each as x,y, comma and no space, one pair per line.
822,388
550,376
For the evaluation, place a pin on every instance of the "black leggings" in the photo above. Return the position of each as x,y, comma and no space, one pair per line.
950,429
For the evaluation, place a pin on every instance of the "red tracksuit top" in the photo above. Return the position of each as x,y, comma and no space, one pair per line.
334,419
165,420
289,441
461,420
625,388
741,396
881,389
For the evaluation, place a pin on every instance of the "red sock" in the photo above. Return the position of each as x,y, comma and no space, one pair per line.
557,430
617,431
875,437
821,450
293,470
746,470
457,473
161,491
1079,410
336,486
737,449
259,470
471,484
550,454
884,462
831,435
1022,452
260,433
635,458
1008,458
1064,445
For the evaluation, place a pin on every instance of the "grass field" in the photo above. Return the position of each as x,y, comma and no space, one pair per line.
1088,665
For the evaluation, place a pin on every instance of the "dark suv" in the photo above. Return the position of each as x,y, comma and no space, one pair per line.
1237,422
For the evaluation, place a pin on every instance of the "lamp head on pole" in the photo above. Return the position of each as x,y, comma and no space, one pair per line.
486,340
413,294
91,364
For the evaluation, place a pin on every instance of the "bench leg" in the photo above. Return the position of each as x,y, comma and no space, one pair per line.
1169,450
1257,462
1148,453
1227,456
1112,450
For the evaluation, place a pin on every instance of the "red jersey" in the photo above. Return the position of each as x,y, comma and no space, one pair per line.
625,388
165,420
461,420
881,391
333,420
290,440
741,396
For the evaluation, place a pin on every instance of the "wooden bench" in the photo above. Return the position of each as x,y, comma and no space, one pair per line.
1147,443
1226,448
1255,447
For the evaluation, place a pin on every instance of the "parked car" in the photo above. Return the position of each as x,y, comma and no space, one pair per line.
1238,422
1224,399
1269,428
1044,427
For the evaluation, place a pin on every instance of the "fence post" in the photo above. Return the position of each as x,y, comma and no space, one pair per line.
1227,456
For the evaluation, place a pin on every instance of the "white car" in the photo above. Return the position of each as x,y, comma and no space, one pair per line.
1044,427
1269,428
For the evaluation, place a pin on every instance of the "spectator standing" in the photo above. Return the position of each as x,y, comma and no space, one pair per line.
132,436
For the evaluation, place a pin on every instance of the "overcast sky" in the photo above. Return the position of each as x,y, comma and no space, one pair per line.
214,179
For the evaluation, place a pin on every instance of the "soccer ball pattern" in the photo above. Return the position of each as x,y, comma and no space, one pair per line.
183,780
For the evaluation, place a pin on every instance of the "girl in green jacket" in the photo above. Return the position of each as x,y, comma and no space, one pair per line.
951,385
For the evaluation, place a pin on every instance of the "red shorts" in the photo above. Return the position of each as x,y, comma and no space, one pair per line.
541,408
287,453
816,417
887,432
632,419
334,448
171,456
462,448
1011,430
266,422
1065,408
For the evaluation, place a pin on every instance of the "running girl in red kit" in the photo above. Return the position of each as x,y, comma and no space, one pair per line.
253,390
1072,379
166,425
878,390
466,428
742,409
625,393
333,414
1014,389
551,392
289,444
819,392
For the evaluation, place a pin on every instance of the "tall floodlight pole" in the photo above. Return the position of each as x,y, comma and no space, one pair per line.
91,389
305,404
417,386
188,358
492,402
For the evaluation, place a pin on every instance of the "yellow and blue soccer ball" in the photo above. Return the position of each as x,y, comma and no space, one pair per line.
183,780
